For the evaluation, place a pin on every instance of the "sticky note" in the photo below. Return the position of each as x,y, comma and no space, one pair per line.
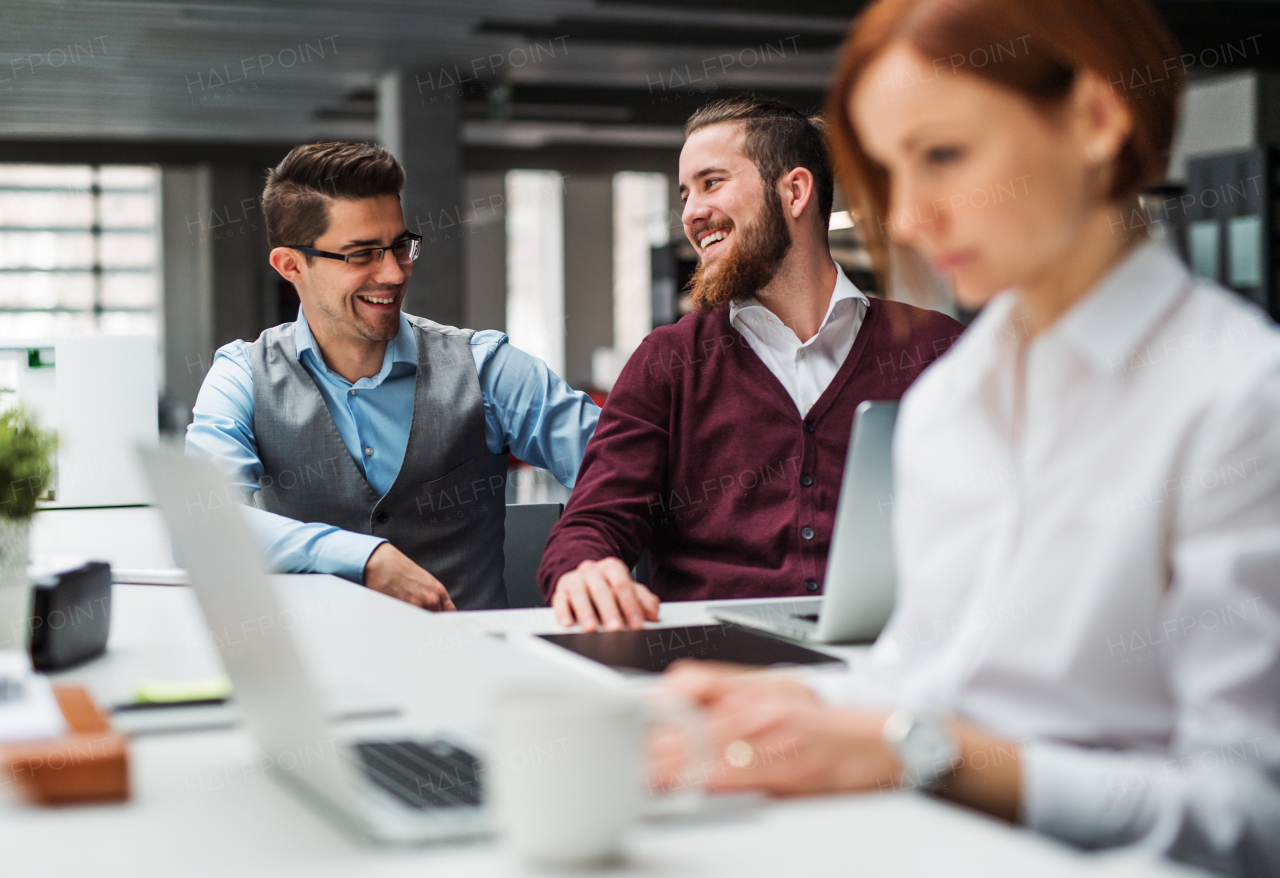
171,691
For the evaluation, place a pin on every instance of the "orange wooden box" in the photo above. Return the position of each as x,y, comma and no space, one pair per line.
89,764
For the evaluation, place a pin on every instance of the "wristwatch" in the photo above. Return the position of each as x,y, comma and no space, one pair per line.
927,751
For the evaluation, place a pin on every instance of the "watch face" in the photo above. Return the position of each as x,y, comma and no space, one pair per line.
927,751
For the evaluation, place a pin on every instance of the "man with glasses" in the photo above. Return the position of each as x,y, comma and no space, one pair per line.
374,444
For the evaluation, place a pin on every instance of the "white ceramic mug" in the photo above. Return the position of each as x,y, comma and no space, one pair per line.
565,772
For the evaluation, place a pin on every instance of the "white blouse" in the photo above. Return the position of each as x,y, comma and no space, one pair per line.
1091,565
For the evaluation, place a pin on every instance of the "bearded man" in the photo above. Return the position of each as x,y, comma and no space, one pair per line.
721,447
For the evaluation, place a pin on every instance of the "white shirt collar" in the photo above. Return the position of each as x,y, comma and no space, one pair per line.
1105,327
1114,319
844,291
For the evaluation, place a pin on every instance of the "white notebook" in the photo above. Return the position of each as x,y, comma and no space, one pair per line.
28,710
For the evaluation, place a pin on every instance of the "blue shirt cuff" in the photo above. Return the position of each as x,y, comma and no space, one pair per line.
344,554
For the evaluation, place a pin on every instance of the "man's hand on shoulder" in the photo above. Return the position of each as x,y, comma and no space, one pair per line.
393,573
601,594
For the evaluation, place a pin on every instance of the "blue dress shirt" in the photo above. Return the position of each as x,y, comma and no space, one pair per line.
526,407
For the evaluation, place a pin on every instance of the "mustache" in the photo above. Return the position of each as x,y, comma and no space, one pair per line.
711,226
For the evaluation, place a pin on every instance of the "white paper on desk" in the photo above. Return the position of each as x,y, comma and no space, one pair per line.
150,576
28,710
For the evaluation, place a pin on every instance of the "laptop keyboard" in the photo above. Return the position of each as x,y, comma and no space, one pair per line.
423,774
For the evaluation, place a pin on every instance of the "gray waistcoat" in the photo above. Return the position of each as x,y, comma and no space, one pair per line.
446,508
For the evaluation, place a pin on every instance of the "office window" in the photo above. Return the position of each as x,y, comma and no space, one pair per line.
1202,241
535,264
1244,239
639,225
78,250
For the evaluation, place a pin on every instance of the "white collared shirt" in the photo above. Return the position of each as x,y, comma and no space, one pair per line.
804,368
1095,572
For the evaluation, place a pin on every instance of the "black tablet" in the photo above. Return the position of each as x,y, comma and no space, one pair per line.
650,650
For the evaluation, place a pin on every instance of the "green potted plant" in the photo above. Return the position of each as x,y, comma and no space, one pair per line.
26,452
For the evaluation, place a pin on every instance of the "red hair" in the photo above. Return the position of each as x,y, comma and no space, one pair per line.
1031,47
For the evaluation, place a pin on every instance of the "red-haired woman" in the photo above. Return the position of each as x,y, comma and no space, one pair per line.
1087,521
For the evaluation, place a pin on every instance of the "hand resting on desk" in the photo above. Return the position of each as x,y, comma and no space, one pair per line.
602,594
774,735
393,573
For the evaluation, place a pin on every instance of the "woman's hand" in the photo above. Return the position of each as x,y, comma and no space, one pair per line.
772,734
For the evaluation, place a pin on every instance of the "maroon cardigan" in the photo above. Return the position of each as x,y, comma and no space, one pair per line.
701,457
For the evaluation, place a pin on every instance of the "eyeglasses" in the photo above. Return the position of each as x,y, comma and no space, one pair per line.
405,251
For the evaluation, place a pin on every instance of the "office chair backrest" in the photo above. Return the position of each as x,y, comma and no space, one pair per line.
528,526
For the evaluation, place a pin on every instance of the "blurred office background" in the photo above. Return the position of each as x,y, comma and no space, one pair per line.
540,138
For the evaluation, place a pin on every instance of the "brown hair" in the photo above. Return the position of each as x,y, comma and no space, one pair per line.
1029,46
296,199
778,138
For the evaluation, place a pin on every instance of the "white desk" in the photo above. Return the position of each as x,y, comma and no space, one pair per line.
201,807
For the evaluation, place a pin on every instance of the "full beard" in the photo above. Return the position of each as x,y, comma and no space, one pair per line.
750,265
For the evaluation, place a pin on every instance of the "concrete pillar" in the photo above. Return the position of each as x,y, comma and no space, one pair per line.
238,237
214,245
418,124
187,287
484,245
588,271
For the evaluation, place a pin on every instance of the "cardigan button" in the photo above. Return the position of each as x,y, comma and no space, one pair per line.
807,533
811,584
808,426
806,480
381,517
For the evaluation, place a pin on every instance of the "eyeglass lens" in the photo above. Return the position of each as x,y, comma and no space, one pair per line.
404,253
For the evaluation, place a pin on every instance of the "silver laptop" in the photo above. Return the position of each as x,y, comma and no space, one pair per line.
858,596
390,789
